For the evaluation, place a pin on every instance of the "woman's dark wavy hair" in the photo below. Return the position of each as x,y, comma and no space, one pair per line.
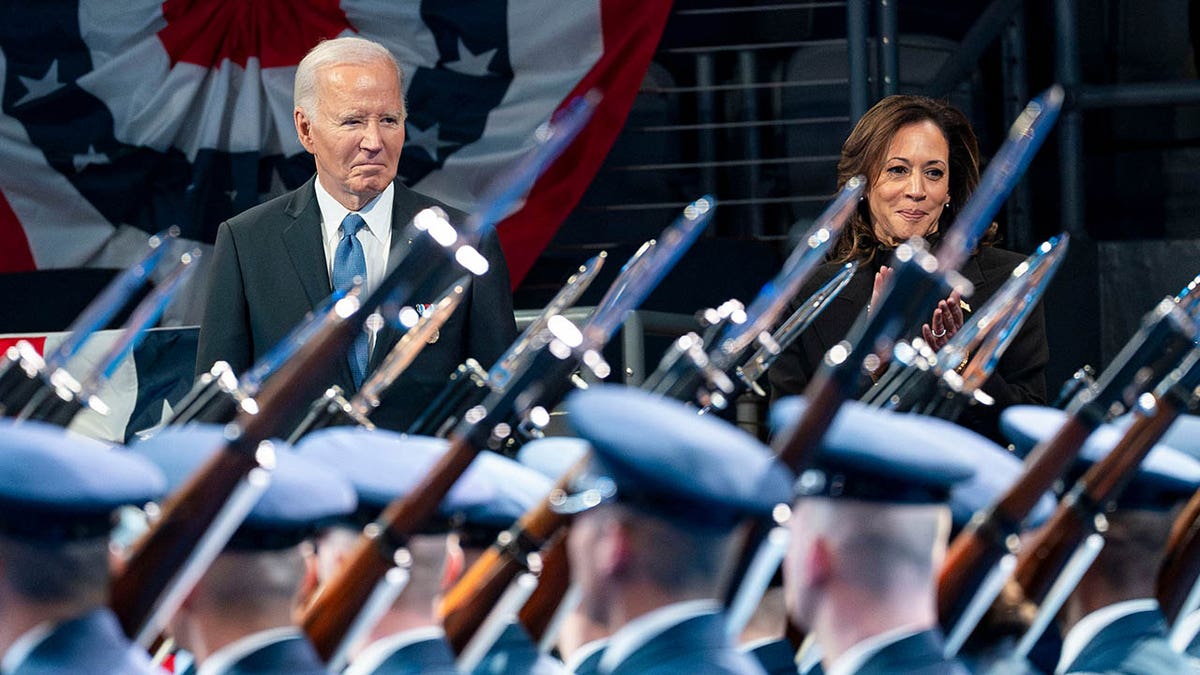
864,150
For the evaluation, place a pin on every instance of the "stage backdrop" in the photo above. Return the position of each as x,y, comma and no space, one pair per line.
119,119
156,374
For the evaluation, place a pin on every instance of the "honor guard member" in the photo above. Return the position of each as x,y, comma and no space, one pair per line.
516,489
869,530
580,641
238,619
58,492
1111,622
657,511
383,467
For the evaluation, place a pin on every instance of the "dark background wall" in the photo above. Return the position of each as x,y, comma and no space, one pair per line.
750,100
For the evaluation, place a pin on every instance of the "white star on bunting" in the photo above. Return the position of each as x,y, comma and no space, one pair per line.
38,88
90,157
470,63
426,139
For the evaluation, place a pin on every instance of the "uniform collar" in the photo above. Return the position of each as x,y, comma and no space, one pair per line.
221,660
23,646
1082,633
853,659
646,627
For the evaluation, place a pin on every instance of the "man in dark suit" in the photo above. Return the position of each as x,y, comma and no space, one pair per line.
277,261
59,492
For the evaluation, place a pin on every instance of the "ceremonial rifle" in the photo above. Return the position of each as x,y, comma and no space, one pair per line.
470,383
1164,337
540,384
183,541
944,383
1086,375
688,372
193,525
65,397
1051,566
23,372
919,279
220,394
749,373
1178,582
333,408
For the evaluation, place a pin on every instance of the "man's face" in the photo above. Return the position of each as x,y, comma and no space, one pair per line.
356,130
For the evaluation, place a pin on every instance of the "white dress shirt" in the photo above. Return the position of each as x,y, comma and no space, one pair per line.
376,237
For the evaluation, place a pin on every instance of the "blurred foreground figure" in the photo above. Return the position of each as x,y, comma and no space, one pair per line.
657,511
58,492
239,616
869,530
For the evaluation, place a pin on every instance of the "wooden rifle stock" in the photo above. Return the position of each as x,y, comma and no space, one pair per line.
553,582
1166,335
186,516
989,535
1040,564
171,541
189,512
469,601
1181,564
339,601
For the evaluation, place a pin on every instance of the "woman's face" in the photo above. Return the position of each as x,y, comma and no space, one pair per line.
907,197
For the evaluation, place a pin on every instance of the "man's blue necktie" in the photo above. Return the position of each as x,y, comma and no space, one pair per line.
350,262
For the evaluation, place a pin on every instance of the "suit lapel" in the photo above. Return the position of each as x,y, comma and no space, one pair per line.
302,240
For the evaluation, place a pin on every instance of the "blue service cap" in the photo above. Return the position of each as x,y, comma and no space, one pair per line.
553,456
876,455
1183,434
384,466
301,497
996,469
1165,477
663,458
56,485
515,489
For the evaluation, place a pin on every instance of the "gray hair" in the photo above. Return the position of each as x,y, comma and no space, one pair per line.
338,51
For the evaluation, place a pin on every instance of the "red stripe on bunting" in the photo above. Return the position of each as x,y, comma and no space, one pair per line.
39,343
632,29
15,255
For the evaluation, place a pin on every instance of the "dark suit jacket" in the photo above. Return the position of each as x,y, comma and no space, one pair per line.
93,644
294,656
269,270
1135,644
1019,378
697,646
